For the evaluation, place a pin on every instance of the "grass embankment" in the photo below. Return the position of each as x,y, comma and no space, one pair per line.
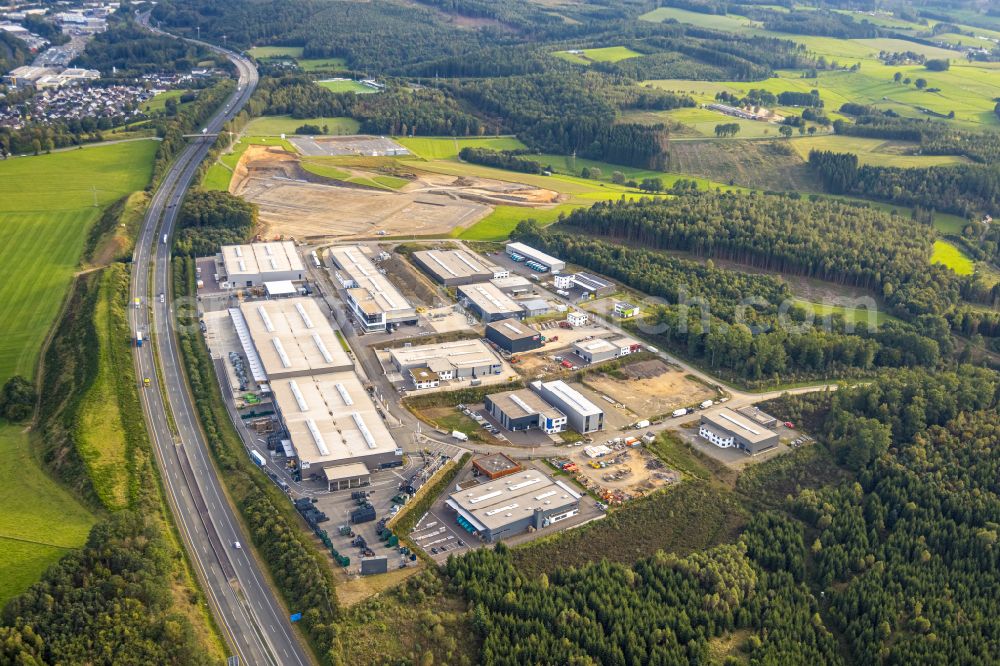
218,175
46,213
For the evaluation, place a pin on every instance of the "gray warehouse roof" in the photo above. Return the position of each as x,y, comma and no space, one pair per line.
729,421
454,264
511,498
512,329
488,298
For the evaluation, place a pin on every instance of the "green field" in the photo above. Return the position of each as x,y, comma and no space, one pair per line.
345,85
45,213
331,168
277,125
443,148
315,64
952,256
158,103
730,23
876,152
498,224
276,52
850,314
606,54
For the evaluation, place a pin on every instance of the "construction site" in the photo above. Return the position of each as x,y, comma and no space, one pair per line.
295,202
616,471
650,388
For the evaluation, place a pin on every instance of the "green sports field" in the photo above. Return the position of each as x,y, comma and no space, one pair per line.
45,213
346,85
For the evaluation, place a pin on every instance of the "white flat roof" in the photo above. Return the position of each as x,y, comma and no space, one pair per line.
572,397
280,288
293,336
513,497
348,471
261,259
596,346
460,354
488,298
734,422
537,255
449,264
356,265
331,418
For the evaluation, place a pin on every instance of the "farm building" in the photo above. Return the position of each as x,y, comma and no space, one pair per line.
513,504
377,304
254,264
577,318
465,359
513,336
332,421
522,252
524,410
581,414
728,428
496,465
454,267
625,310
288,337
513,285
488,302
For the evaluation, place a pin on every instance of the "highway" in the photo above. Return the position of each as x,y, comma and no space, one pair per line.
253,621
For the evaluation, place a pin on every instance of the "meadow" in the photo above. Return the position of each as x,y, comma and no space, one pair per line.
45,214
605,54
951,256
278,125
876,152
730,23
850,314
445,148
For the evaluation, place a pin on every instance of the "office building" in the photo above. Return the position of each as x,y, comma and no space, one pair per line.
375,303
727,429
581,414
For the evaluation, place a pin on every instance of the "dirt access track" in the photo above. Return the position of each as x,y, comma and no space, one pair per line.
296,203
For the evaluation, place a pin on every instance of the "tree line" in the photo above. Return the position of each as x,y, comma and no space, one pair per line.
512,160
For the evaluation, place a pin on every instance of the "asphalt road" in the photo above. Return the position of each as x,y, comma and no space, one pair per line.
254,622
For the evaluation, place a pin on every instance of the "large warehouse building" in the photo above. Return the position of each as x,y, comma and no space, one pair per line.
377,305
513,504
332,422
522,252
513,336
464,359
254,264
728,428
454,267
488,302
525,410
289,338
581,414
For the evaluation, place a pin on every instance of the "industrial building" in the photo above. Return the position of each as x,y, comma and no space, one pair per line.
254,264
488,302
522,252
288,337
599,350
513,336
577,318
625,310
495,466
513,504
535,307
728,428
513,285
377,305
581,414
592,285
332,422
464,359
27,75
524,410
754,413
454,267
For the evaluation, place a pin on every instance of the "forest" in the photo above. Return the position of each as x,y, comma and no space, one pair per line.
501,159
742,326
829,240
872,571
209,219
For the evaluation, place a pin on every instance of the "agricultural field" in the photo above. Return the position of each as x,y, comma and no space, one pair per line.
446,148
952,256
876,152
45,214
702,122
276,52
46,210
606,54
730,23
498,224
278,125
345,85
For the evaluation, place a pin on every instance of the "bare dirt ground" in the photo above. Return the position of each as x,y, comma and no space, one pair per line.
653,389
296,203
629,473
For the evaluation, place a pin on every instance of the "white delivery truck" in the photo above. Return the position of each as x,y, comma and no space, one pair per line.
680,412
459,435
707,404
642,424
